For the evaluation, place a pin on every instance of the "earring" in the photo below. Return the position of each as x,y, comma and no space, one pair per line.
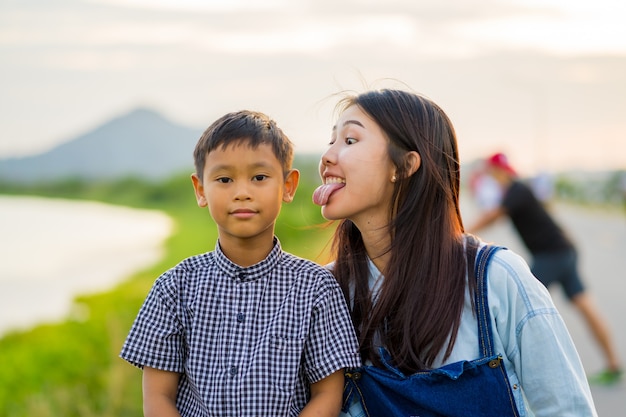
393,179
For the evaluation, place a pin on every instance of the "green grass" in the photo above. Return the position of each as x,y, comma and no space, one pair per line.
72,368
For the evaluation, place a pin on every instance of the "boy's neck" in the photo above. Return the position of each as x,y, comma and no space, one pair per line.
246,252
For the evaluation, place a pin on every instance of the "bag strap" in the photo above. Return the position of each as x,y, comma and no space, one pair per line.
481,300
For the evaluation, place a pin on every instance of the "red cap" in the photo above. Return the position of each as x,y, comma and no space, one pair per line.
499,160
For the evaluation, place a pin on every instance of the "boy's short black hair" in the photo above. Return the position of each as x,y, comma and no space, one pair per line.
243,127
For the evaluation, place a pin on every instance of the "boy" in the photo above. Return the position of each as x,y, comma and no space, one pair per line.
245,330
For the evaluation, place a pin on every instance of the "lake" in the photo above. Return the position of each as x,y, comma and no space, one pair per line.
52,250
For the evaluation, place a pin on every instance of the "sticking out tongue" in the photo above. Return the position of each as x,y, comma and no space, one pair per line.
323,192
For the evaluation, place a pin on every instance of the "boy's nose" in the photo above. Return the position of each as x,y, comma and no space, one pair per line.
242,192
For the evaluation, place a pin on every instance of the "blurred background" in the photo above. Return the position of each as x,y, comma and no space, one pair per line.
103,100
546,78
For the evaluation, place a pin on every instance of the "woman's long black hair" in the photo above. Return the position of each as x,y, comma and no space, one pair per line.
418,310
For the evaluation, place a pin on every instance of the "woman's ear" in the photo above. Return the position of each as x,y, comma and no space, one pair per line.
413,161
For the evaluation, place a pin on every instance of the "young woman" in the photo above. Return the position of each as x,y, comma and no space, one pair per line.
435,339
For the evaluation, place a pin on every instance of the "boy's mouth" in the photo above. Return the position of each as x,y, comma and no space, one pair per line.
324,191
243,213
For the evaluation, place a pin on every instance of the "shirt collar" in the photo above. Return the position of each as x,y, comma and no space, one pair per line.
250,273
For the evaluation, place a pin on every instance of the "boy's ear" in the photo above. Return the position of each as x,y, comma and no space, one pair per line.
291,184
199,190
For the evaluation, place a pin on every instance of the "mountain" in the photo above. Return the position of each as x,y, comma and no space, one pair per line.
141,143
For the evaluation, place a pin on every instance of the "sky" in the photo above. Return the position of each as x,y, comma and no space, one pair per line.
542,80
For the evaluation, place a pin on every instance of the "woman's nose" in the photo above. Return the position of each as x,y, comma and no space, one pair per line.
328,157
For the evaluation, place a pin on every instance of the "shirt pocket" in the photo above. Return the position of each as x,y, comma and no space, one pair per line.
286,354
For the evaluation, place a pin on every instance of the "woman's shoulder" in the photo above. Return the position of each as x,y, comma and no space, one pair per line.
507,259
509,276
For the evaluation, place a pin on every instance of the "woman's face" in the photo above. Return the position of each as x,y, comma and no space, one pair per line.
357,172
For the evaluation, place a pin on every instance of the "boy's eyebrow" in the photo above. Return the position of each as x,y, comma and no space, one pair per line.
256,165
261,164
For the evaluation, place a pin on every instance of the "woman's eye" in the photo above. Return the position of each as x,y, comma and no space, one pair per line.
350,141
259,177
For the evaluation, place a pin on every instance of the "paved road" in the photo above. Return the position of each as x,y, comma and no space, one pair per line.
601,240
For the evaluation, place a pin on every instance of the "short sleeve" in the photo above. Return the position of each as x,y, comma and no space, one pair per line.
516,198
332,343
156,338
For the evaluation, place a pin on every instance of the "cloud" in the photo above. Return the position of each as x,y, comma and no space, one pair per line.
199,5
563,34
436,29
503,69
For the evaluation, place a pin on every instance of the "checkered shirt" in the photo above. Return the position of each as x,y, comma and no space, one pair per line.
247,341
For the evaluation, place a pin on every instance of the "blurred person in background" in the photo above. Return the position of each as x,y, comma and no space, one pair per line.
554,256
486,191
622,187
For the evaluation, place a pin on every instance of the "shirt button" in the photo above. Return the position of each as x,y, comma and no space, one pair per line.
232,371
242,275
241,317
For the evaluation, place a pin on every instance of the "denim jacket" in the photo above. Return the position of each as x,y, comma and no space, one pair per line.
545,372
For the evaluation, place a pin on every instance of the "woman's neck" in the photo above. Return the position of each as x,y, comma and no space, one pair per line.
377,243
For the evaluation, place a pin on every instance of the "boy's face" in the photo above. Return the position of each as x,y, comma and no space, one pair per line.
244,189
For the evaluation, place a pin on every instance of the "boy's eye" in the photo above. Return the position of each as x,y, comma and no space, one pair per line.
350,141
259,177
224,180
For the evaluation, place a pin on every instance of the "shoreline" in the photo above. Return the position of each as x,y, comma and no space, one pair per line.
58,249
